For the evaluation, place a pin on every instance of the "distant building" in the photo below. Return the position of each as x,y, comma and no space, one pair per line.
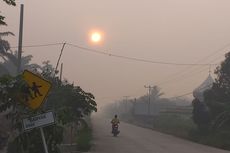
199,91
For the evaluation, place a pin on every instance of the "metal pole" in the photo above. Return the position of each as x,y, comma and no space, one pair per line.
20,39
61,71
149,101
126,103
44,140
149,92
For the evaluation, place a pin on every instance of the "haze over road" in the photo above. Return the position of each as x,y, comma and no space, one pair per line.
135,139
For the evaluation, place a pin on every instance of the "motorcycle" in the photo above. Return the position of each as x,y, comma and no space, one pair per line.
115,130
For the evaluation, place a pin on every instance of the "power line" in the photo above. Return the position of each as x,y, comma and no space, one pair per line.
173,76
117,56
191,92
183,77
39,45
186,94
138,59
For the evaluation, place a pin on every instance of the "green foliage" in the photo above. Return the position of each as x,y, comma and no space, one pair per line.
69,102
177,125
11,92
4,44
31,141
12,100
218,139
201,115
10,60
84,137
218,101
9,2
2,20
218,98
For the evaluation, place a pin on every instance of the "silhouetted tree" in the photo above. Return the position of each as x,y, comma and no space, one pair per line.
201,115
218,98
10,60
70,103
9,2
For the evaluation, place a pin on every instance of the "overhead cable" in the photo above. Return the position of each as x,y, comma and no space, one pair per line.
138,59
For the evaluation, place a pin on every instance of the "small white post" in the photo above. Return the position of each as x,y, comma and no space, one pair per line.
44,140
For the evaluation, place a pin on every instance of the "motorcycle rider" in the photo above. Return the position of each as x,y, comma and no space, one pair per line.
115,121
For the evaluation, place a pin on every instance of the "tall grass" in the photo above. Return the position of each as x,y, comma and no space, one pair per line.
183,126
174,124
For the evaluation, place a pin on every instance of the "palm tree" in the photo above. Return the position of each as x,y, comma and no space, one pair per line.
4,50
8,64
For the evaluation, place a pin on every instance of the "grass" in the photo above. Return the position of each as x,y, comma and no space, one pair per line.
84,137
218,139
174,124
183,126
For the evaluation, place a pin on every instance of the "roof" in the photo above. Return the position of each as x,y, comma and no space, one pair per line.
199,91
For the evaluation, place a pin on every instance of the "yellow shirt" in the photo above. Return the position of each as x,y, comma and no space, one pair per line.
115,121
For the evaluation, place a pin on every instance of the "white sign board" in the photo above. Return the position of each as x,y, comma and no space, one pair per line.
38,121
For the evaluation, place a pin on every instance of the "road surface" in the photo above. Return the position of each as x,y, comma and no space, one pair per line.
133,139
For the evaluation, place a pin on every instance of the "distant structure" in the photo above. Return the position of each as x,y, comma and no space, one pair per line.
199,91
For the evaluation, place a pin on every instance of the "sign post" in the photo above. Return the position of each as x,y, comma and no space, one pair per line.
37,90
40,121
44,140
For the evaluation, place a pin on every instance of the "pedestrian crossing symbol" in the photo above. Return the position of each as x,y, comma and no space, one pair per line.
38,88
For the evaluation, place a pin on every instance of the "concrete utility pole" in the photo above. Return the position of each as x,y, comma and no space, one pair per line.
63,46
20,38
149,92
61,71
126,103
134,105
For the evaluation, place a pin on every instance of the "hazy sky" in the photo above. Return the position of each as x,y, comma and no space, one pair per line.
179,31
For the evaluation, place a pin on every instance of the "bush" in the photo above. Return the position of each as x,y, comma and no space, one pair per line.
219,139
173,124
84,137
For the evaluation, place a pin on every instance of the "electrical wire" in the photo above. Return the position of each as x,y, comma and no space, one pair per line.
130,58
138,59
186,94
39,45
173,76
117,56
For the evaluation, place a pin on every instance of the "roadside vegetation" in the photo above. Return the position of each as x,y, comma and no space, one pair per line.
69,102
84,138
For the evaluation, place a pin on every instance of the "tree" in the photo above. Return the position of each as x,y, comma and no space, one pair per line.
10,60
70,103
201,115
218,98
155,93
67,99
9,2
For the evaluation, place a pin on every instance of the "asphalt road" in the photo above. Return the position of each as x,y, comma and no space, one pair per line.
133,139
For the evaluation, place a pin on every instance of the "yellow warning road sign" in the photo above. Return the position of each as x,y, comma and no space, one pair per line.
38,89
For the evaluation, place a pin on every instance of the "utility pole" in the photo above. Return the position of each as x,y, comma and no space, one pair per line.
20,38
63,46
61,71
149,92
126,103
134,105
